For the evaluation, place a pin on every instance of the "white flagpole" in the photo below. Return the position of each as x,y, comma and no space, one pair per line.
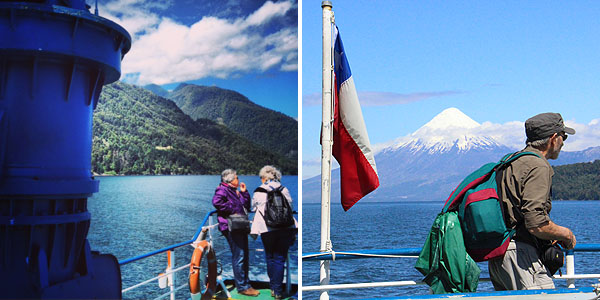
326,144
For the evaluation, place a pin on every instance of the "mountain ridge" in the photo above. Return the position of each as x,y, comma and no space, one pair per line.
272,130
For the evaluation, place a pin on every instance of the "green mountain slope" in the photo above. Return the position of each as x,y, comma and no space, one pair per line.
157,89
577,181
138,132
273,130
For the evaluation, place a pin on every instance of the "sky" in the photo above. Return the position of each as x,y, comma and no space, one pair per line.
247,46
499,62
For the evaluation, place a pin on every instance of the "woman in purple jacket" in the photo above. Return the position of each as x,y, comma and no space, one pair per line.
229,200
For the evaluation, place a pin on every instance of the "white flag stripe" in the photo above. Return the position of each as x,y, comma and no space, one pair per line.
352,118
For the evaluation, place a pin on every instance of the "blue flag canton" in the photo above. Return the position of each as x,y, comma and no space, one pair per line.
340,63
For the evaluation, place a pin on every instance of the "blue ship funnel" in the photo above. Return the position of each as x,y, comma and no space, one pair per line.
55,56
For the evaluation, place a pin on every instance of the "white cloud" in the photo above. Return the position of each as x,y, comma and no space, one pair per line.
165,51
311,99
384,98
586,135
397,141
268,11
312,166
388,98
133,15
512,134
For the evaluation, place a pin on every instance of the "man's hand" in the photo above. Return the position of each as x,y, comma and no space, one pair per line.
551,231
242,187
570,243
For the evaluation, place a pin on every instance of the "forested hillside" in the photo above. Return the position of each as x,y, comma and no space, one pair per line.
138,132
273,130
577,181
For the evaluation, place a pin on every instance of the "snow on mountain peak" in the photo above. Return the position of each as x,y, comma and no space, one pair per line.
451,117
449,129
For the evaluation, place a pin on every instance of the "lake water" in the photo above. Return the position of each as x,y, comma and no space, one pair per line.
406,225
133,215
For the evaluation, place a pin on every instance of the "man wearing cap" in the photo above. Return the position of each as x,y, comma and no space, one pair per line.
526,186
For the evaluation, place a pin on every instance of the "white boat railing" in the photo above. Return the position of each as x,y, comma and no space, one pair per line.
167,279
570,275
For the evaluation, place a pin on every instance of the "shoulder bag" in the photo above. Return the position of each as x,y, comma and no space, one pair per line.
239,223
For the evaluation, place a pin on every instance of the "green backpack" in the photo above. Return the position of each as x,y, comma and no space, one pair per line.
478,202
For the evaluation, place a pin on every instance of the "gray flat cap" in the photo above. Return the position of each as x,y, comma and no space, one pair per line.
544,125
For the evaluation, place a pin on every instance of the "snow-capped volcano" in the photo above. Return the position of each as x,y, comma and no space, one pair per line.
450,129
450,118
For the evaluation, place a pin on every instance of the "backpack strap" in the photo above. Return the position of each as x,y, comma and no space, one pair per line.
507,160
261,190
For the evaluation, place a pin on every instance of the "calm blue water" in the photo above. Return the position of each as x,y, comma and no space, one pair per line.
133,215
406,225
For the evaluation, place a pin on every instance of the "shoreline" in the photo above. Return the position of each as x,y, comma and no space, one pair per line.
122,175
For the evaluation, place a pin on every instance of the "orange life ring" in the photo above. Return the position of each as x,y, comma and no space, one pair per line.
203,249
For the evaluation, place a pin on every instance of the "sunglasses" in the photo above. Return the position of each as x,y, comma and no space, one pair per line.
564,135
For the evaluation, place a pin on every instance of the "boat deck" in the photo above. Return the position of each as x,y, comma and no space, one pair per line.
262,287
587,293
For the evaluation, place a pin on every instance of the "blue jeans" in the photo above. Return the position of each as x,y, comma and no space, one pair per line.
277,243
238,243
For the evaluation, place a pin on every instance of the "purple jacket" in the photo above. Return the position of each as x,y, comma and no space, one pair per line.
228,202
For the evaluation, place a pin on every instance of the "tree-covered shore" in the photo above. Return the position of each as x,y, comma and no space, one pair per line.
136,132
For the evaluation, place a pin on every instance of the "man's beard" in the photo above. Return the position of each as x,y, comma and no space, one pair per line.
554,152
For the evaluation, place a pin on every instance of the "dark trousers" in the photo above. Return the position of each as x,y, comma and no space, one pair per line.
277,243
238,243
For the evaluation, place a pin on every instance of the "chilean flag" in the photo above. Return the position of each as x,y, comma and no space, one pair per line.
351,146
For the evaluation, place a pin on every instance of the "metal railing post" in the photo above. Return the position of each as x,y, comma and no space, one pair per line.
170,266
570,262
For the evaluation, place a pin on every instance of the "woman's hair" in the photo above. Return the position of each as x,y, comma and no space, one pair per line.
270,173
228,175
